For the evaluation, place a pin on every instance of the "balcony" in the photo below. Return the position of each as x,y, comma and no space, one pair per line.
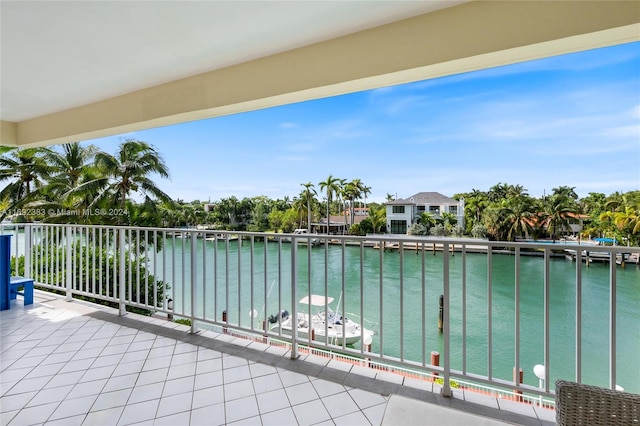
84,363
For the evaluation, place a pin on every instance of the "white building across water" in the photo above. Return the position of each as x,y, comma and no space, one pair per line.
404,212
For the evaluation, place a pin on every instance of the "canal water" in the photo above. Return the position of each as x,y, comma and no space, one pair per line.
401,302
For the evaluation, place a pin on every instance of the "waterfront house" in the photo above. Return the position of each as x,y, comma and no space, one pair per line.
404,212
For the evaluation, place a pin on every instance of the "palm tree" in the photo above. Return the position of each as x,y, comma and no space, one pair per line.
27,171
519,216
353,191
308,193
331,185
72,167
366,190
557,208
128,171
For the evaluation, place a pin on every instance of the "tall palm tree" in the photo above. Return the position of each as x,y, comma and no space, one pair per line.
26,170
331,186
366,190
129,171
308,193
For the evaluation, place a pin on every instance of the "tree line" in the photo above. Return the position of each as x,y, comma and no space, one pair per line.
73,183
506,212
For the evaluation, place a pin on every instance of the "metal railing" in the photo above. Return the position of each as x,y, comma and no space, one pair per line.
489,292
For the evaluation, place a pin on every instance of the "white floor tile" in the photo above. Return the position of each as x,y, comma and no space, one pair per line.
301,393
107,400
375,413
152,376
236,374
354,419
211,415
178,386
209,365
340,404
141,412
366,399
237,390
242,408
47,396
146,393
174,419
311,412
208,396
268,383
282,417
272,401
27,385
16,402
33,415
87,388
326,388
73,407
104,418
208,380
174,404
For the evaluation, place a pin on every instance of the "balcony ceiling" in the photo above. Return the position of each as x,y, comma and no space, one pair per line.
77,70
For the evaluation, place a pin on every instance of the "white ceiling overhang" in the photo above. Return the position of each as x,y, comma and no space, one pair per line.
74,70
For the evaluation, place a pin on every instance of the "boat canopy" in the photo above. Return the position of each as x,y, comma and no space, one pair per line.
316,300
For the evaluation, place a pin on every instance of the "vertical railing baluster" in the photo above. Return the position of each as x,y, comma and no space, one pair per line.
226,280
362,325
266,280
516,367
183,272
446,332
252,281
68,265
194,280
204,275
122,272
401,283
294,298
423,296
612,320
381,289
464,309
489,313
579,316
28,244
146,267
239,279
326,284
547,255
215,277
343,293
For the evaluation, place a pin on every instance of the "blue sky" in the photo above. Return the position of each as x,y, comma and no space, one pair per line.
568,120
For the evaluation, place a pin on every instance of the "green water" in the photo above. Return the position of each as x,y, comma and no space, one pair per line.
273,276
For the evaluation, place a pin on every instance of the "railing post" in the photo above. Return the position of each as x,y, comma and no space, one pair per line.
28,247
294,297
446,388
122,275
194,279
68,265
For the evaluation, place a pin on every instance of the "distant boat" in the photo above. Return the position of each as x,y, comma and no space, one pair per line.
303,241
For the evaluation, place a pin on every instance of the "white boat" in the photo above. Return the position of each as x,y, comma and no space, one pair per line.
304,241
324,325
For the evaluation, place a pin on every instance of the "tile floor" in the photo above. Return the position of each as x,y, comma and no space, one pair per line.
80,364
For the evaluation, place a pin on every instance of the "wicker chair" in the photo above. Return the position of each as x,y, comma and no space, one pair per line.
578,404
